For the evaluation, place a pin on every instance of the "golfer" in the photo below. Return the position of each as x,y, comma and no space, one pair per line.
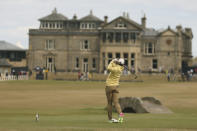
115,68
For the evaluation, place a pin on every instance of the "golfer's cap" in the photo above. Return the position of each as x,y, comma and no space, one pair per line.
115,59
121,61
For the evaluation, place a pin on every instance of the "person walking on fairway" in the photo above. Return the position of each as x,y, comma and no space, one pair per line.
115,67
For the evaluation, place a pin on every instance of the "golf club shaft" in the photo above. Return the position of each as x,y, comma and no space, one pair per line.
125,67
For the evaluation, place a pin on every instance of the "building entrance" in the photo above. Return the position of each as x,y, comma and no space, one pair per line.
85,65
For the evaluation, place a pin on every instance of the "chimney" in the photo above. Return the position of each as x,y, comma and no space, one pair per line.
188,31
179,28
143,21
74,17
105,19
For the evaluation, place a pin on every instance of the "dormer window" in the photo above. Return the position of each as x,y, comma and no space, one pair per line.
51,25
53,21
90,21
88,26
120,25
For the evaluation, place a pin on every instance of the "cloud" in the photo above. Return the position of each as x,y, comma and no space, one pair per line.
19,44
16,32
181,4
18,35
20,15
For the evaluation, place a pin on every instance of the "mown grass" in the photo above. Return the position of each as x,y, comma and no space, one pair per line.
79,106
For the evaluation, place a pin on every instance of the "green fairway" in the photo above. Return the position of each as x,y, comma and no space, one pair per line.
79,106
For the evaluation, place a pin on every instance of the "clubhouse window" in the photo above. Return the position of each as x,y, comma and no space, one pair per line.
155,66
77,63
50,44
110,56
94,63
84,45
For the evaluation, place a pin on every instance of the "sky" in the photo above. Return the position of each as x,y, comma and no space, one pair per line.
18,16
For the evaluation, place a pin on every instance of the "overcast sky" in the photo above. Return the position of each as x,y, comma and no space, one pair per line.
17,16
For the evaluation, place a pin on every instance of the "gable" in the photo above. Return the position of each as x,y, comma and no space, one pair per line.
122,23
168,33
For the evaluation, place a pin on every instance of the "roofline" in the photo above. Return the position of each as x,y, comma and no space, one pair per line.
40,19
122,30
129,20
63,32
51,20
98,19
90,21
168,29
13,50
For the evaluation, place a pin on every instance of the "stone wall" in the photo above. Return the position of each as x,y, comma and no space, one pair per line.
22,63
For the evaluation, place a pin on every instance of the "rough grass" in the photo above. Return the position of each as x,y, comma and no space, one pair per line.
79,106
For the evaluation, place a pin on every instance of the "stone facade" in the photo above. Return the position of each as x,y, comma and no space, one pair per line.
89,44
12,58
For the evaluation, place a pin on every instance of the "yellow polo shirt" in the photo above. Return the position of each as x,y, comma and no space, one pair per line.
114,75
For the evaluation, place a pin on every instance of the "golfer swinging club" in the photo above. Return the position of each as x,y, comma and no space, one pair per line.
115,67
